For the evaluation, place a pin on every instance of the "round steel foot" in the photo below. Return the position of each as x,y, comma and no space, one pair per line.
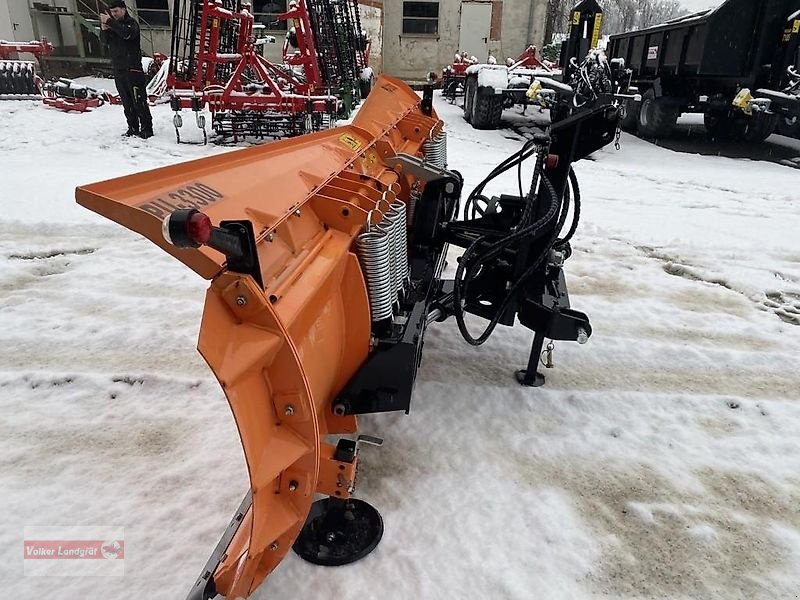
339,532
523,379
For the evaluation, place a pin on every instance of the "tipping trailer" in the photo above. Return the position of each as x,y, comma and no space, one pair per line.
738,64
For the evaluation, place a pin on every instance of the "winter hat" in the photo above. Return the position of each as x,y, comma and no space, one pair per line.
116,4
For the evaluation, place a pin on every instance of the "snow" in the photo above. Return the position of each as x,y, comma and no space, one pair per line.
493,76
659,461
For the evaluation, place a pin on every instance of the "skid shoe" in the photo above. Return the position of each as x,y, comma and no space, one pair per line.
339,532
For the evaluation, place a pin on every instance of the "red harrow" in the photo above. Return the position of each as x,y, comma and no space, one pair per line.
215,63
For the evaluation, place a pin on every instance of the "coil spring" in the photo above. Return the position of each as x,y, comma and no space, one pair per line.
395,219
413,198
435,150
373,250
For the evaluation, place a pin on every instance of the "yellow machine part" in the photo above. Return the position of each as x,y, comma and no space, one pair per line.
282,351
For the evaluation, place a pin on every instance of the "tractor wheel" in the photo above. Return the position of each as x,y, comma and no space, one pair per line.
790,127
757,128
629,114
728,125
657,116
470,91
487,109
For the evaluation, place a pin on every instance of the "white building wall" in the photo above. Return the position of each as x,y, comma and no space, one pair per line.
6,31
411,57
19,26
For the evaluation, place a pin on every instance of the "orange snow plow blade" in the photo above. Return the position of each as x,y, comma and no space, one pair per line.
283,341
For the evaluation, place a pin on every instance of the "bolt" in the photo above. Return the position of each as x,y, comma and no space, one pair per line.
293,485
274,546
241,300
270,237
331,537
289,410
297,213
338,410
583,337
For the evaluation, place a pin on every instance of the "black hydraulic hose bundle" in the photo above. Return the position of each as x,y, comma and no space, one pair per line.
482,251
576,211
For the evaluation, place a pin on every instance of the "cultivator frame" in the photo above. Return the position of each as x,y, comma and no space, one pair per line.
324,38
215,63
326,270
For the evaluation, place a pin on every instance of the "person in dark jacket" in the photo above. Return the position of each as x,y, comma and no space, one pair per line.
121,34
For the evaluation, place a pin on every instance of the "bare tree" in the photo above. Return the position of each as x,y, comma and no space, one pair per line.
618,15
626,15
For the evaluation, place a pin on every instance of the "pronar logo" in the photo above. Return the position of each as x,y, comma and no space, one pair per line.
195,195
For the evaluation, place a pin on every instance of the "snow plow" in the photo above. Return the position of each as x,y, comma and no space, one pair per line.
326,255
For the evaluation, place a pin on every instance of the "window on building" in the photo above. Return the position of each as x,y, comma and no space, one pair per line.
267,11
421,17
153,13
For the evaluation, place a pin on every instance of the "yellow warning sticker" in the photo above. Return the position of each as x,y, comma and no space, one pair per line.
598,24
576,18
796,27
351,142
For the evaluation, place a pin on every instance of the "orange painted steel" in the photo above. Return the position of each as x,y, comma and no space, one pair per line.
283,351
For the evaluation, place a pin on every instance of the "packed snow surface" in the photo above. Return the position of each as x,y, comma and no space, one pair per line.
661,459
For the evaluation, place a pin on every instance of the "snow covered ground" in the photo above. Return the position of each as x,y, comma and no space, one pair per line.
660,460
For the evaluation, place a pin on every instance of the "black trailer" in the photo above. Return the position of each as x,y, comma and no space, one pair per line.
739,64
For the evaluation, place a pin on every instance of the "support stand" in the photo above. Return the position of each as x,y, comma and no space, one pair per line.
339,532
530,376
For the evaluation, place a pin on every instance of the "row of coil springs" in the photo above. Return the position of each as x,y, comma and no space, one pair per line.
383,252
382,248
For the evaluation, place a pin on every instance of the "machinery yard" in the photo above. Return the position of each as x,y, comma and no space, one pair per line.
659,461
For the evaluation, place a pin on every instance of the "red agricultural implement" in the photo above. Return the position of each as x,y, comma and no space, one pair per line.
326,258
18,78
325,40
70,96
216,63
454,76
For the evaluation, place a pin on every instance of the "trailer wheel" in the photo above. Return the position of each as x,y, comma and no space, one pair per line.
629,115
657,116
470,89
487,110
